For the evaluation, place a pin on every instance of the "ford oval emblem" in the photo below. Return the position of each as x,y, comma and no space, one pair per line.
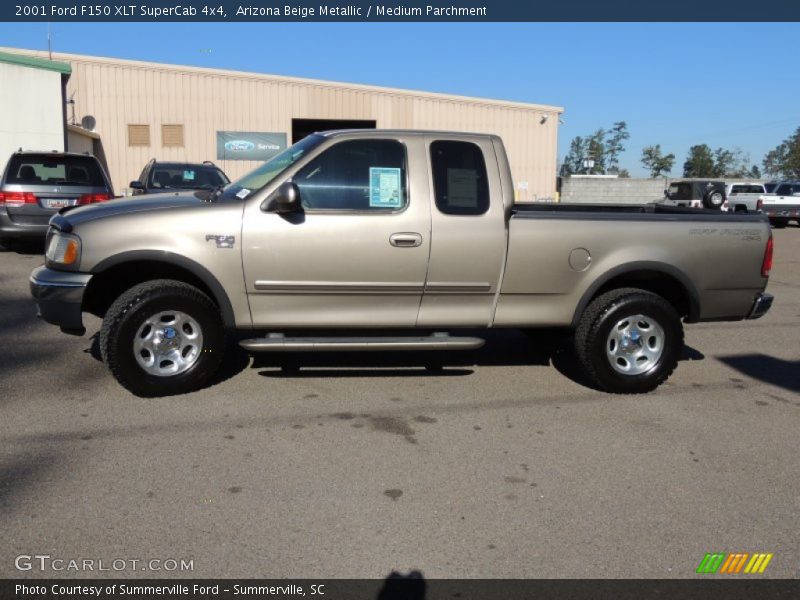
239,146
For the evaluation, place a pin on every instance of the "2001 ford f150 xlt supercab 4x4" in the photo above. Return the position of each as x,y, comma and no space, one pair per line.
406,230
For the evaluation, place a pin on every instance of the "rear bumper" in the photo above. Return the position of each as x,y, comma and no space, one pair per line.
781,211
761,305
59,296
11,229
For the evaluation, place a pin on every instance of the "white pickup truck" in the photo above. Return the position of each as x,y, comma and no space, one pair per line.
744,197
783,204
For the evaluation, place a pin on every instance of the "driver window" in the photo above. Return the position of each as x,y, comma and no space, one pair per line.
356,175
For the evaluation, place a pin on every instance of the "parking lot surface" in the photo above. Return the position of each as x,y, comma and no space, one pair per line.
499,465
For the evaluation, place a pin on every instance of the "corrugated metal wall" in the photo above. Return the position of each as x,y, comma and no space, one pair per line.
118,93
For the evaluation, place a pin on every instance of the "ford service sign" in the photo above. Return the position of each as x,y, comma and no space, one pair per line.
249,145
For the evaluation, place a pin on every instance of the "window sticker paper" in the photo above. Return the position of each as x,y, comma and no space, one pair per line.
384,187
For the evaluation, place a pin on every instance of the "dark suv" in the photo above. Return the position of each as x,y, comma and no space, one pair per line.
160,177
36,185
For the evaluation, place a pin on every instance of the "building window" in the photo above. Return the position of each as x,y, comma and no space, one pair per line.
138,135
459,178
361,175
172,136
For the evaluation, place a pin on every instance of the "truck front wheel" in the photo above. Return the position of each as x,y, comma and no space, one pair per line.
162,337
628,341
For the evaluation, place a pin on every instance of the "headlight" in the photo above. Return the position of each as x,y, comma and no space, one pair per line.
63,249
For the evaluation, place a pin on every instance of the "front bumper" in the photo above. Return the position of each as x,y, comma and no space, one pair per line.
761,305
59,296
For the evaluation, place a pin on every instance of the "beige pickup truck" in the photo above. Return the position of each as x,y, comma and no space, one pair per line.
354,233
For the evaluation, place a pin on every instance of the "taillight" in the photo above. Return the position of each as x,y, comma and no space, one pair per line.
759,204
766,265
92,198
17,198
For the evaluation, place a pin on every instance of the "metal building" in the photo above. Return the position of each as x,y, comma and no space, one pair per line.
143,110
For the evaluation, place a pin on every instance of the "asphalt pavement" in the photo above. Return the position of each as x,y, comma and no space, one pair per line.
501,464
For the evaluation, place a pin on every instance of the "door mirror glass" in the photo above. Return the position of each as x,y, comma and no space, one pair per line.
136,185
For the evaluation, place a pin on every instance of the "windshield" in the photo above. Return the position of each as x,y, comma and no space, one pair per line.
186,177
258,178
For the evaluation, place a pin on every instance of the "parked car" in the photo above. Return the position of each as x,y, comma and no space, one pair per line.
696,193
743,197
158,177
783,204
410,230
35,185
770,186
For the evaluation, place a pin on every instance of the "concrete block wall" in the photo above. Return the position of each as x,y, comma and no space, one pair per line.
606,190
611,191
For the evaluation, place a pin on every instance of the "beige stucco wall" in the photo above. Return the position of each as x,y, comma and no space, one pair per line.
31,114
118,93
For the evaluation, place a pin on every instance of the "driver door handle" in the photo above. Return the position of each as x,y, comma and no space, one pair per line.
405,240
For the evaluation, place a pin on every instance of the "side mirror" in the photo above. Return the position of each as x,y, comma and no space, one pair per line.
286,199
136,185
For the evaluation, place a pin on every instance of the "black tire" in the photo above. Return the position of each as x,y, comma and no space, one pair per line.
594,330
713,199
131,310
5,245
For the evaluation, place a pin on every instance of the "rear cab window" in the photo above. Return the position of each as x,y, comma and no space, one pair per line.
44,169
746,189
460,182
787,189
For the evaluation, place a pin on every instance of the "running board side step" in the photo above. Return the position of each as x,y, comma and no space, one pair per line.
278,343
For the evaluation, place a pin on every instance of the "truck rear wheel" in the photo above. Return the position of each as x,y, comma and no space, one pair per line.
628,341
162,337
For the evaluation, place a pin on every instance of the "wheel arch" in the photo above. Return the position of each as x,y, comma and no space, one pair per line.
112,276
667,281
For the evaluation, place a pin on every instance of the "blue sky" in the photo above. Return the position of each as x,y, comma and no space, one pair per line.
677,84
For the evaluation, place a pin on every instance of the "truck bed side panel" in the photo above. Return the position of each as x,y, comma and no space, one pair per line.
556,259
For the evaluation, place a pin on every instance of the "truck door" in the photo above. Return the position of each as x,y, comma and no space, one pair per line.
468,233
357,254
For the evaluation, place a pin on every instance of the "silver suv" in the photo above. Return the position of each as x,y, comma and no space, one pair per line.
36,185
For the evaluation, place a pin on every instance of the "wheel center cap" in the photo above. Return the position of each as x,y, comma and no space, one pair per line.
631,342
169,333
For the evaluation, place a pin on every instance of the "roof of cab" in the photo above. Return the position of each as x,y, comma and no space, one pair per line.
405,132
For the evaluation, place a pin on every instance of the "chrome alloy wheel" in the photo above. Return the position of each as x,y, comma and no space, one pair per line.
168,343
635,344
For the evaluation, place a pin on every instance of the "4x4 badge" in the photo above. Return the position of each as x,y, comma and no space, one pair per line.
223,241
